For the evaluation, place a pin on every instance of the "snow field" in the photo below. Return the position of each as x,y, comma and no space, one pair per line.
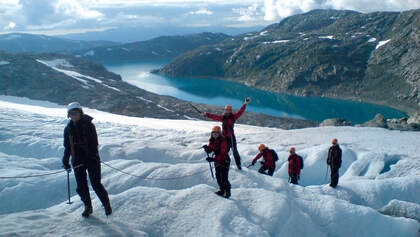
380,168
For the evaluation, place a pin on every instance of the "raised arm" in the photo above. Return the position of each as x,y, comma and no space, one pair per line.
240,112
214,117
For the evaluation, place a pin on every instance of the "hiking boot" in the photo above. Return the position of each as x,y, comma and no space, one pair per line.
88,210
220,193
108,209
227,194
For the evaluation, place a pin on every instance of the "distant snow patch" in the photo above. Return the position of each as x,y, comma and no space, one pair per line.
382,43
153,52
108,49
371,40
75,75
125,49
139,97
264,33
326,37
218,49
276,42
3,63
89,53
334,18
57,63
160,106
250,38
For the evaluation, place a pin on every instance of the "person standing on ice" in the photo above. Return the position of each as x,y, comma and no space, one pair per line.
269,160
81,142
334,161
219,146
228,119
295,165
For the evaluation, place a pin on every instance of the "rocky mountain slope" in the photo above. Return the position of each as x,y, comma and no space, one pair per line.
163,47
63,79
20,43
371,57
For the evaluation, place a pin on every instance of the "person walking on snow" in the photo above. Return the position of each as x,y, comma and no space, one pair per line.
269,160
295,165
334,161
81,142
228,119
219,146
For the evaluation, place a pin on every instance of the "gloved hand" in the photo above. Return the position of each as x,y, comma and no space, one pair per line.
253,163
67,167
247,100
206,149
209,159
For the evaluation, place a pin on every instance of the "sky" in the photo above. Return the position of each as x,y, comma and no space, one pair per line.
94,17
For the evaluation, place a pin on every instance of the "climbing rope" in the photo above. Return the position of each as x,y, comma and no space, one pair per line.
36,175
112,167
142,177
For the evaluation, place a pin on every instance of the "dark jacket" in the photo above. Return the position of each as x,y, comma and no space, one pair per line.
334,157
220,148
268,158
84,140
228,121
295,164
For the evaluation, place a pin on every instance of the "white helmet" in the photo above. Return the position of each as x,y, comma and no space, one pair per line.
73,105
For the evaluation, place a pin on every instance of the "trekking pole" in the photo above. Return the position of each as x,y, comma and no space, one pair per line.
249,165
68,187
211,168
196,109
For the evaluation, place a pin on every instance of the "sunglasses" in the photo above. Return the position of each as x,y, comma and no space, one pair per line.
72,113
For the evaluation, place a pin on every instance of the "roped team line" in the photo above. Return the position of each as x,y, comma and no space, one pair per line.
36,175
119,170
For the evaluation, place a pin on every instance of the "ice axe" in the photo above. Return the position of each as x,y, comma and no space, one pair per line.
211,168
195,108
68,187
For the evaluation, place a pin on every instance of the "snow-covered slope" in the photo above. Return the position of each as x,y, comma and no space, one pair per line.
173,193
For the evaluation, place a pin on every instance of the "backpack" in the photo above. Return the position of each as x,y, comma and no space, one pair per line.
301,160
274,154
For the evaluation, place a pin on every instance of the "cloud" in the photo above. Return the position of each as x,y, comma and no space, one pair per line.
10,26
250,13
202,11
278,9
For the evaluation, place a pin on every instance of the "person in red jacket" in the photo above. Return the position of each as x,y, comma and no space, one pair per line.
295,165
228,119
219,146
268,160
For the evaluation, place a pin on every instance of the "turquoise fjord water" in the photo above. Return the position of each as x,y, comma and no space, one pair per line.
219,92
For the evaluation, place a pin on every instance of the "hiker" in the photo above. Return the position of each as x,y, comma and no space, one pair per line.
295,165
334,161
219,146
81,142
228,119
269,160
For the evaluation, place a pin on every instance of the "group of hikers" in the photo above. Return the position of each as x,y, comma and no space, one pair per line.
81,142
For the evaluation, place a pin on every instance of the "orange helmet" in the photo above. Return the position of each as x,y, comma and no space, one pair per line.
228,107
216,129
292,149
334,141
261,147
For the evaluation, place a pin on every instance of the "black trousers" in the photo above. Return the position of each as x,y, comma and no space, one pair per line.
294,178
232,144
93,168
334,177
270,170
222,176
